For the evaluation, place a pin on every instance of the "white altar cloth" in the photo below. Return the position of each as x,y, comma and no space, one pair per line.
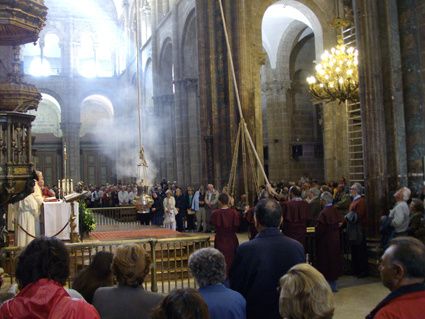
56,215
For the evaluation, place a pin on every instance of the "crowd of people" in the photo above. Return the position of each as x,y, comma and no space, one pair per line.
112,285
238,280
336,210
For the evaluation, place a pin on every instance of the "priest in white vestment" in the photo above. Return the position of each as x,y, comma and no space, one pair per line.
28,213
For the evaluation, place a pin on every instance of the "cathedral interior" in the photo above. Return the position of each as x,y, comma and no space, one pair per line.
236,93
116,74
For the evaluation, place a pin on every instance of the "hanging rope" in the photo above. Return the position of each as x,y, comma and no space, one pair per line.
243,132
142,160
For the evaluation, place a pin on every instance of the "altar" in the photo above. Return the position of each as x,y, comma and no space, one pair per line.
56,215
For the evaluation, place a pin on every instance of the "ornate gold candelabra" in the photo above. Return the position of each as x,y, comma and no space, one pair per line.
337,76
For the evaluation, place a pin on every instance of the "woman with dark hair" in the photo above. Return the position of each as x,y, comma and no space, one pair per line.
417,220
41,272
181,205
128,300
157,210
97,274
182,304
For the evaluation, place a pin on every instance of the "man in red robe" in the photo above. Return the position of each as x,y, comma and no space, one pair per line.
328,246
296,214
356,231
226,222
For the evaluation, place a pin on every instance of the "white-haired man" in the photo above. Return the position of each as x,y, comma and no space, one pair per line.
400,213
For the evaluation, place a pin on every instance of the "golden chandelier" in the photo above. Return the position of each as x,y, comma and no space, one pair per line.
337,77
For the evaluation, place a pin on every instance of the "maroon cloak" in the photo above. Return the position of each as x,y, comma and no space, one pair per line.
296,214
226,223
252,230
328,246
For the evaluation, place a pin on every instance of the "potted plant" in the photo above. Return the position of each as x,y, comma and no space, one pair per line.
86,220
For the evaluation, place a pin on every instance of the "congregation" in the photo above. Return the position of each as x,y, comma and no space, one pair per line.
113,284
235,281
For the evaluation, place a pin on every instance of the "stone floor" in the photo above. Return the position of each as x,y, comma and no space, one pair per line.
357,297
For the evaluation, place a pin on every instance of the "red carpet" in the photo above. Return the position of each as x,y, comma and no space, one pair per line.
136,234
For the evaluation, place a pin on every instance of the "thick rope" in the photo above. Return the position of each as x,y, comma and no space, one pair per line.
232,68
142,172
232,175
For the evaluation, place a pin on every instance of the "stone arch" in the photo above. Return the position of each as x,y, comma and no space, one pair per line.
48,116
188,127
52,93
94,110
165,105
189,47
287,103
287,43
314,12
166,68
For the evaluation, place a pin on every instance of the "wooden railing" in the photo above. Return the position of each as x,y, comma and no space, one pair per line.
169,268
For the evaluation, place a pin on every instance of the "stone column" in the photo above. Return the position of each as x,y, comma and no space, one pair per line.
165,106
182,150
193,138
412,29
71,136
277,127
372,104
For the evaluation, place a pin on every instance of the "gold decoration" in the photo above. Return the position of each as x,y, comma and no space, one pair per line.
336,77
21,21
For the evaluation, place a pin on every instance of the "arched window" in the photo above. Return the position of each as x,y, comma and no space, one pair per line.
96,113
87,56
43,58
48,117
95,58
52,53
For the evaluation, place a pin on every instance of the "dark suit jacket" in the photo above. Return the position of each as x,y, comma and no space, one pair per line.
257,268
125,302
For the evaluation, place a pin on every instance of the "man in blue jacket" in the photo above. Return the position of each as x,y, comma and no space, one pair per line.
259,263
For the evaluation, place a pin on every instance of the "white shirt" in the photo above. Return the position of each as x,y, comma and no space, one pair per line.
400,216
123,197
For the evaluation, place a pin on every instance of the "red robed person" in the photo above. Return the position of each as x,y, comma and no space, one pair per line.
226,222
296,214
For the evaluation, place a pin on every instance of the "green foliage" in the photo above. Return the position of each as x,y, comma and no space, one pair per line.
86,219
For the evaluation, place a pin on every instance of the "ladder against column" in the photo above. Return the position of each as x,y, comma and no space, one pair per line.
354,125
355,142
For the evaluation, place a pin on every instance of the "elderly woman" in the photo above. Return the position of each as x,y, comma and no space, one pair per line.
182,304
41,272
170,210
130,265
305,294
208,267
